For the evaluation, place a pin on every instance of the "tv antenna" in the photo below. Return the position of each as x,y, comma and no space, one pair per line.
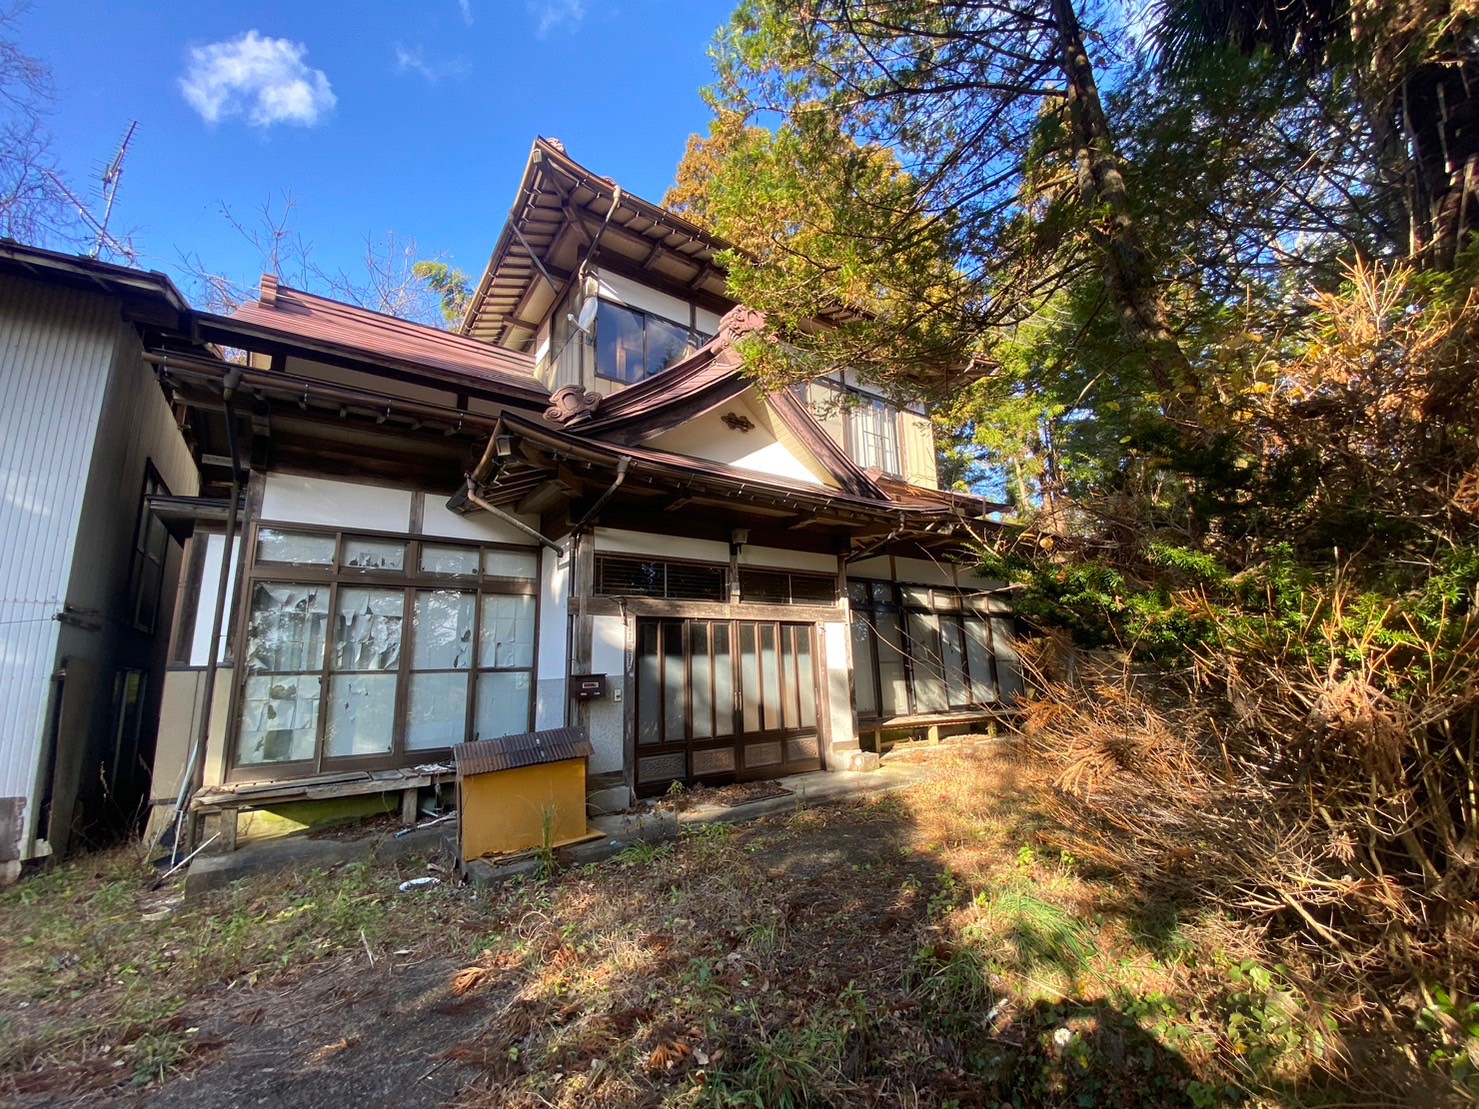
108,181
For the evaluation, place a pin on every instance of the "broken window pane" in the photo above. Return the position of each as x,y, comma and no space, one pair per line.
978,657
361,714
367,629
511,564
374,554
506,637
461,561
503,705
279,718
436,710
295,548
441,630
287,626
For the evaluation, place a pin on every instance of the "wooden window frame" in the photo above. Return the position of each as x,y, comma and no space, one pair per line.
410,580
140,561
696,339
721,567
958,612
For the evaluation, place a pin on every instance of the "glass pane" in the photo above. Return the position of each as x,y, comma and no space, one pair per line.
294,548
279,719
702,666
806,678
883,593
361,714
790,695
978,659
287,626
503,705
916,595
952,653
723,682
461,561
891,684
674,726
436,710
689,582
770,677
666,343
649,686
858,592
619,343
511,564
865,685
441,630
808,589
506,637
367,629
765,587
924,652
1008,668
749,678
374,554
945,601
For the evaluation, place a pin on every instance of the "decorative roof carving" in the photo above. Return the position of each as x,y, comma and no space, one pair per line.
739,323
735,422
570,405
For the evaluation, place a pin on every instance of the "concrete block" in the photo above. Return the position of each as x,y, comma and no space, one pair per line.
604,801
863,760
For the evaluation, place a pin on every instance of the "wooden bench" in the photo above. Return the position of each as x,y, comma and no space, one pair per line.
929,723
229,800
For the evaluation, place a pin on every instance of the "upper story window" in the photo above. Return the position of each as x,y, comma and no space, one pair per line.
865,426
632,345
151,550
873,433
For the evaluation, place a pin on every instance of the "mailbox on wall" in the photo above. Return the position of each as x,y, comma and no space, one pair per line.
588,687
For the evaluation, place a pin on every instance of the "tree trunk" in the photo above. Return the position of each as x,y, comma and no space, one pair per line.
1440,117
1127,267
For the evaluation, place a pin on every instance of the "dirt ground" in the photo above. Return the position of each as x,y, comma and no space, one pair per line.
935,947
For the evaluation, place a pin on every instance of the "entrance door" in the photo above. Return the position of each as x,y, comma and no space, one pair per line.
724,700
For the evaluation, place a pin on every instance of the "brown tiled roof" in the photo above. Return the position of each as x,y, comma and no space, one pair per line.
484,756
339,328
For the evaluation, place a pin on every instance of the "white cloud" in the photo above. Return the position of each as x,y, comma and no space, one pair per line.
555,13
465,7
412,59
263,79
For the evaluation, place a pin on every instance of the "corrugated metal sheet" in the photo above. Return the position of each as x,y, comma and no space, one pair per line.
485,756
55,350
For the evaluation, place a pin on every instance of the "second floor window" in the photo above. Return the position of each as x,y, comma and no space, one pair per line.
873,433
633,345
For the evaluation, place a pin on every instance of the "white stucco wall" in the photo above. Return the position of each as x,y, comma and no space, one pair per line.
710,438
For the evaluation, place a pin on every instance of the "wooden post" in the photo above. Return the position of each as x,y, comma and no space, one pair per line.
409,799
228,831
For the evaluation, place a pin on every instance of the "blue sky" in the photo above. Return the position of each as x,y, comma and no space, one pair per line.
412,117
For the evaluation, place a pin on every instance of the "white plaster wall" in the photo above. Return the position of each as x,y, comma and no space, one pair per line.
205,610
837,645
289,498
706,321
878,568
622,541
633,295
550,699
708,437
781,559
920,571
476,527
607,717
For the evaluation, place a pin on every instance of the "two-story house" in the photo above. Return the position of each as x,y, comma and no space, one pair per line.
435,533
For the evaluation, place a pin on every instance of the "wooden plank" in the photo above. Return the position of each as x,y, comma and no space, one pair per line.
409,801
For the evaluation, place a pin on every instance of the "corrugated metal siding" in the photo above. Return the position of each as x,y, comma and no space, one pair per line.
55,350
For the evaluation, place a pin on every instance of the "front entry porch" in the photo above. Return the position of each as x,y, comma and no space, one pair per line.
724,700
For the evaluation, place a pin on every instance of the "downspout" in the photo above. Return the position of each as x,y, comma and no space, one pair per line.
195,769
621,476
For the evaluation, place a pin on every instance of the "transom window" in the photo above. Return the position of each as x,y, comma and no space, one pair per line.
373,650
619,576
920,650
632,345
782,587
